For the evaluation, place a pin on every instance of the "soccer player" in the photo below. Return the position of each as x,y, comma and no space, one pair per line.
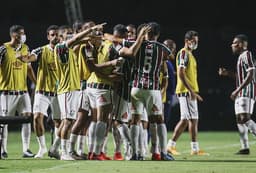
187,90
146,93
170,92
131,32
46,87
13,82
69,83
244,94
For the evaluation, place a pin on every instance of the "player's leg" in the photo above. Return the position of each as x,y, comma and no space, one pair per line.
41,104
180,127
24,108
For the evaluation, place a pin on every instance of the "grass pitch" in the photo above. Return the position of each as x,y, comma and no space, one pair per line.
220,145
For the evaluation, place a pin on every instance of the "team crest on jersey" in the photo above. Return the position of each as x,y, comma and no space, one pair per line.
52,66
102,99
154,108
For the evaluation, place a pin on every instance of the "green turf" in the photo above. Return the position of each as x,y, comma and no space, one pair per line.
220,145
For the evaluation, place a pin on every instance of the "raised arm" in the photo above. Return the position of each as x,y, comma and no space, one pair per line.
132,51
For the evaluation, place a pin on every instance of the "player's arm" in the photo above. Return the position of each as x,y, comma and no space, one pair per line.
32,57
31,74
78,37
224,72
132,51
112,38
164,84
3,51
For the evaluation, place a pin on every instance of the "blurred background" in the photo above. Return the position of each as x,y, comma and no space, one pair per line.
216,21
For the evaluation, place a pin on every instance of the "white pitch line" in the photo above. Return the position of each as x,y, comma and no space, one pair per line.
223,146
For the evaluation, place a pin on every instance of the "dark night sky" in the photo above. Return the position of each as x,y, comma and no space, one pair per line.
216,21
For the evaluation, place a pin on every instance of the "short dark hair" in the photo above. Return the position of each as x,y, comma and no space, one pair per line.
190,34
155,28
15,28
51,27
120,28
242,37
77,26
132,26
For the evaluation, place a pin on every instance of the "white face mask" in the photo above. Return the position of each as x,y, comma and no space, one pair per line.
193,46
69,36
23,38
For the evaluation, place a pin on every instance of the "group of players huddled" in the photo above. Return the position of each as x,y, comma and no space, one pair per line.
96,82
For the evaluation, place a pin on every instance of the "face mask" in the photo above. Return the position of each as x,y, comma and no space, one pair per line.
69,36
193,46
23,38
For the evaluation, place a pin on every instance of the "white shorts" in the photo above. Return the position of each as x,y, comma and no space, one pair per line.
244,105
121,108
99,97
188,108
42,102
151,100
69,104
12,103
84,104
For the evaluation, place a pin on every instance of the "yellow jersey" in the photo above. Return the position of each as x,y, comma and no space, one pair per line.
105,53
13,72
83,68
47,72
67,69
186,59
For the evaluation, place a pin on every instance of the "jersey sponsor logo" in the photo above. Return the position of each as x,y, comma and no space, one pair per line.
17,65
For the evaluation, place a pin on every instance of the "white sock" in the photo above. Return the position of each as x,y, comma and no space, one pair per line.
171,143
56,144
124,133
101,128
141,140
194,146
145,143
135,138
63,146
91,136
154,138
162,135
56,130
104,147
25,135
5,137
41,142
243,132
72,139
80,144
117,139
251,126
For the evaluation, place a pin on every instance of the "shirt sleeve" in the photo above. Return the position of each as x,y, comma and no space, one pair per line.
182,59
249,62
2,53
113,53
62,52
127,43
37,52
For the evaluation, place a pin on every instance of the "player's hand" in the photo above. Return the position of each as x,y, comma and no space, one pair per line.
195,96
144,30
223,72
234,94
98,27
